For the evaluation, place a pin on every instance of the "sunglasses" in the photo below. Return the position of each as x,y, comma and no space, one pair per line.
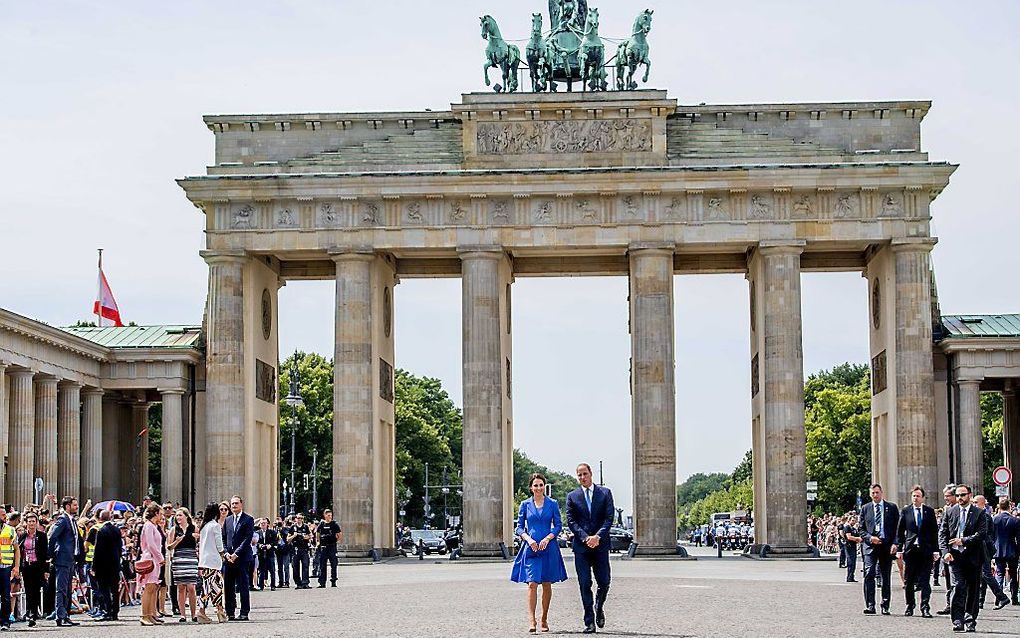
963,494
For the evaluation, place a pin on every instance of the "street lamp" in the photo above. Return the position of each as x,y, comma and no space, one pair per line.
295,401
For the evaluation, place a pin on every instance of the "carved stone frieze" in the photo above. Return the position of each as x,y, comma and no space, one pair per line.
370,213
414,214
500,211
329,214
802,207
761,207
564,136
543,212
245,217
586,209
716,208
458,213
846,206
891,205
285,218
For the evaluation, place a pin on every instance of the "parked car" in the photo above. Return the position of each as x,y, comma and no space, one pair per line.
619,539
429,540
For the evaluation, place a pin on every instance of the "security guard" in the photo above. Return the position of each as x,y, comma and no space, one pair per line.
10,561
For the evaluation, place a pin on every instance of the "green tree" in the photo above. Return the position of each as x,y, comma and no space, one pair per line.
312,425
698,486
992,424
561,483
837,420
736,492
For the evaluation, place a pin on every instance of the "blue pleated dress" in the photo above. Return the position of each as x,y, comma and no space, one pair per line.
545,566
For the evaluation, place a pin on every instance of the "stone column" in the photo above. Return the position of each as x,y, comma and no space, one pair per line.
653,396
21,473
140,471
225,398
69,440
782,418
486,363
45,457
4,424
92,445
353,401
1011,435
916,437
172,447
972,460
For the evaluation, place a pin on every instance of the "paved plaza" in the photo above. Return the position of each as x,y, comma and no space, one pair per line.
706,598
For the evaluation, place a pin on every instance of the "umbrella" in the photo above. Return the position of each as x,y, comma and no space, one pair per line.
113,506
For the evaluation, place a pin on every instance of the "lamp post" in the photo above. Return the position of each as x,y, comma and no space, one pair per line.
295,401
445,489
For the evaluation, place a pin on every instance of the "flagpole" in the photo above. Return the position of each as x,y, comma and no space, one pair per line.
99,292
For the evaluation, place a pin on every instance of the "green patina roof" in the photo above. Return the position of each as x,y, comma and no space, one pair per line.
141,336
968,326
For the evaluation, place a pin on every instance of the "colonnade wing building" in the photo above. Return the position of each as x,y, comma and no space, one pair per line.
626,184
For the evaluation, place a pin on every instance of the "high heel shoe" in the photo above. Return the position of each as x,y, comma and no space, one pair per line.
202,618
146,621
221,616
545,626
533,629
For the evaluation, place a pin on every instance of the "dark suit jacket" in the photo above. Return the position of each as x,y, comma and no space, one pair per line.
1007,535
584,524
266,542
891,518
62,539
107,555
238,541
42,553
974,536
910,539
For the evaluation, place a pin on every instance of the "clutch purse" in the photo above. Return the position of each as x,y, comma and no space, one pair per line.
144,565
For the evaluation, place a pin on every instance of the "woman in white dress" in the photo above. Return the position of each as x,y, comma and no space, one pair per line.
210,559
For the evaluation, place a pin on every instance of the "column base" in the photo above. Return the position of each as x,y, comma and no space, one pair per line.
360,556
485,551
656,552
783,552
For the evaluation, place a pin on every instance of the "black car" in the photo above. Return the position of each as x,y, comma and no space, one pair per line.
430,541
619,539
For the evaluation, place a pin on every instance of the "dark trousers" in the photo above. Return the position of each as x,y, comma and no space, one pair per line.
1007,566
49,593
964,606
105,594
917,573
588,564
851,560
5,596
300,567
950,578
877,561
267,567
282,563
62,600
32,578
327,554
236,580
989,582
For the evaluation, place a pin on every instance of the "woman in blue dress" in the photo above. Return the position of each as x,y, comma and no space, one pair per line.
539,561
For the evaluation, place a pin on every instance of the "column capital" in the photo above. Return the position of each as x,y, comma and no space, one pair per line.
223,256
89,391
913,244
969,382
20,372
651,246
351,253
67,384
166,391
781,246
46,379
486,251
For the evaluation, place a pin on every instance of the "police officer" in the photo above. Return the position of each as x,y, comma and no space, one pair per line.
329,534
300,536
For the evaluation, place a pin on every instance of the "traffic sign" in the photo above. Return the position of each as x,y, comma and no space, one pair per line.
812,496
1001,475
1001,490
812,486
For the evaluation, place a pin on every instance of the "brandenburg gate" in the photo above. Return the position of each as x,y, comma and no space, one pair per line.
618,183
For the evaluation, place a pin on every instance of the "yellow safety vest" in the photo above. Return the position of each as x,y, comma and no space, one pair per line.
91,551
8,538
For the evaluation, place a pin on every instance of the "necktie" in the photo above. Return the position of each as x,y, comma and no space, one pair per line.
878,520
917,515
587,498
963,522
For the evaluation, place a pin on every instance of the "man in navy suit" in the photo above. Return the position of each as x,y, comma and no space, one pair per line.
878,522
962,538
590,514
1007,547
918,541
63,547
238,530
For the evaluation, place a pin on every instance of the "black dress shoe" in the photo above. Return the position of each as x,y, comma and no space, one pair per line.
231,619
908,612
885,611
971,629
958,627
851,580
589,629
66,622
600,618
1002,602
321,587
926,614
869,611
242,618
943,612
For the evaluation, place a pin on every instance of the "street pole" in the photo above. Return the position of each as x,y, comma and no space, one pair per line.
293,431
315,481
602,480
446,490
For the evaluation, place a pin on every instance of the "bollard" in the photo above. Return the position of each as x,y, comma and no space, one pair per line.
718,546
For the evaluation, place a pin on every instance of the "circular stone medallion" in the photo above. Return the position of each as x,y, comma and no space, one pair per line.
267,314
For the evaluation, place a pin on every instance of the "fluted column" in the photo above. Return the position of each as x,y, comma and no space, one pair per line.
172,447
4,424
916,436
92,444
45,457
140,430
225,402
20,474
782,369
69,440
353,400
972,459
483,382
653,397
1011,436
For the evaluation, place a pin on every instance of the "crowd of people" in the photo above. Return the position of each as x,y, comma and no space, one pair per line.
58,560
970,545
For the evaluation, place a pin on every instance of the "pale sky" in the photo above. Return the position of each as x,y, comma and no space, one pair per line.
102,109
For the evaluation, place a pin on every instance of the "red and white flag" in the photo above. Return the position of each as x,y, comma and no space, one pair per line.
106,306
